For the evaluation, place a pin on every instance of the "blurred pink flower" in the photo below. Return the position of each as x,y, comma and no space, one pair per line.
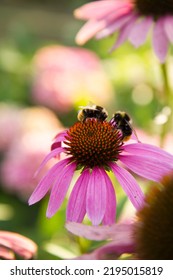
120,238
96,147
12,244
64,76
38,126
10,124
133,19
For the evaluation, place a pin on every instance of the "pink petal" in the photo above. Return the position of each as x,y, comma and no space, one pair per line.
122,235
46,182
98,9
60,137
110,213
115,25
96,196
112,250
160,40
52,154
117,231
55,145
17,243
93,26
129,185
6,254
168,26
76,208
150,151
60,188
139,31
124,32
147,167
88,31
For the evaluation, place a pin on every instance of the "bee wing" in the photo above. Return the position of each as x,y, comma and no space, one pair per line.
90,105
82,107
134,134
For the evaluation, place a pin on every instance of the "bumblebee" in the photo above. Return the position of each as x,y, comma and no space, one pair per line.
93,111
122,121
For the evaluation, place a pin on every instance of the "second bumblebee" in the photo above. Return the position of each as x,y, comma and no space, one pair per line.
122,121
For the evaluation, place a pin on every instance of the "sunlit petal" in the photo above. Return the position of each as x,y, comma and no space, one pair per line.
96,196
129,185
160,40
77,202
59,189
139,31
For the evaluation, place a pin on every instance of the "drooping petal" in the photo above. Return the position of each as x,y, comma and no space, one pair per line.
139,31
88,31
93,26
110,213
76,208
121,234
46,182
60,137
52,154
124,32
98,9
149,151
112,250
96,196
6,254
115,25
168,26
160,40
117,231
21,245
147,167
60,188
129,185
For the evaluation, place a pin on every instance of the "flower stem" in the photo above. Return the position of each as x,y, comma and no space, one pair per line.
166,83
167,103
82,244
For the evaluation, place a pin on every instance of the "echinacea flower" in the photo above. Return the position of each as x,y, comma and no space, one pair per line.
12,244
96,147
148,236
132,18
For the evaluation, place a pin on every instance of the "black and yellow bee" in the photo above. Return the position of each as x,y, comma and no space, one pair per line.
122,121
92,111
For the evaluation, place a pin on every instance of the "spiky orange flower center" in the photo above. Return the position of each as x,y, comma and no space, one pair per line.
93,143
155,8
